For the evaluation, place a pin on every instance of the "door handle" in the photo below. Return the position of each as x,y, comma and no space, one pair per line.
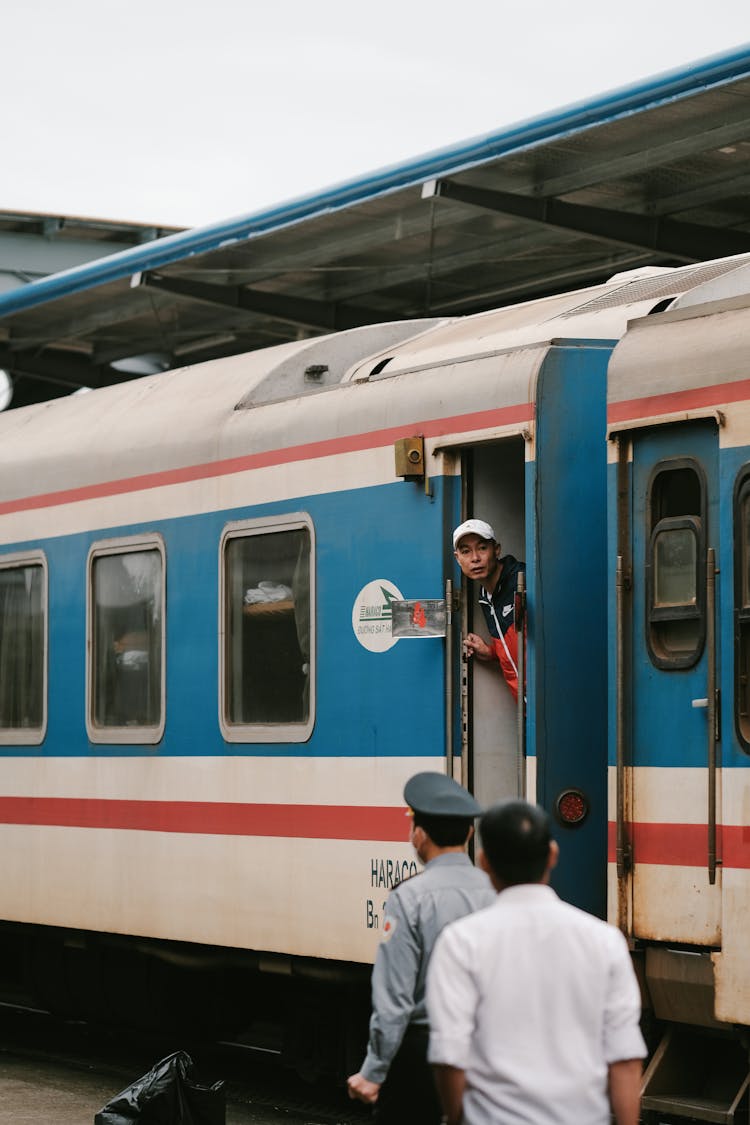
520,623
449,677
710,704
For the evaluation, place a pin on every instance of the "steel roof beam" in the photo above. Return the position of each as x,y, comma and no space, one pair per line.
301,312
711,195
178,349
497,249
351,279
268,258
590,170
62,369
687,241
542,284
75,324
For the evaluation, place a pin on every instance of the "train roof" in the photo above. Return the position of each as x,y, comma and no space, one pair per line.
279,397
601,312
688,361
652,174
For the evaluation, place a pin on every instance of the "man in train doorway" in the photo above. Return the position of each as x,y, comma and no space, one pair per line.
394,1076
478,554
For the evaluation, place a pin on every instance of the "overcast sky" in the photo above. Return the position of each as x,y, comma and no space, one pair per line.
182,112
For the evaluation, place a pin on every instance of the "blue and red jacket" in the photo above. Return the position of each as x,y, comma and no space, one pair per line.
500,614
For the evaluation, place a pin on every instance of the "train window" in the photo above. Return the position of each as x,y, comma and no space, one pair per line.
126,641
267,641
675,566
23,644
742,609
675,492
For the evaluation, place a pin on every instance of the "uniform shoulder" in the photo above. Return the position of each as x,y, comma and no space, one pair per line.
468,930
410,877
436,881
407,887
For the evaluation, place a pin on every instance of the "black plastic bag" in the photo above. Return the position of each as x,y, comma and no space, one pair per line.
167,1096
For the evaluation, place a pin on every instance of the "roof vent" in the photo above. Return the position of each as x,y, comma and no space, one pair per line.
323,361
380,366
638,274
665,283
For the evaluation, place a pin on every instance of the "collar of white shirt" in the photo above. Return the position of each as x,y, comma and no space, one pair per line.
525,892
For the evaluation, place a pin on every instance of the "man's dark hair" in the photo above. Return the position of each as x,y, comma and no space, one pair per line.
444,831
515,839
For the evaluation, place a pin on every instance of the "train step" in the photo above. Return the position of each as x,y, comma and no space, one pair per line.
697,1075
673,1108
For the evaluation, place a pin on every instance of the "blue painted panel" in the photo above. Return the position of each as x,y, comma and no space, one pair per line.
732,464
667,730
569,596
663,749
386,704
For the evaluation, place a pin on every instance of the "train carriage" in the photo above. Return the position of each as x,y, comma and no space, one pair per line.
207,721
206,715
679,384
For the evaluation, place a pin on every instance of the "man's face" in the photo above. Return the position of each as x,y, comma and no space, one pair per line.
417,839
477,557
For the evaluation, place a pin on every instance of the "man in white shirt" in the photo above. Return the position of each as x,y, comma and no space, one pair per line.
533,1005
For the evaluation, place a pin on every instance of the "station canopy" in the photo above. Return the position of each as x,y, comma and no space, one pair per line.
656,174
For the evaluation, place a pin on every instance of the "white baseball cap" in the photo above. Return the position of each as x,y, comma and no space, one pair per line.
473,527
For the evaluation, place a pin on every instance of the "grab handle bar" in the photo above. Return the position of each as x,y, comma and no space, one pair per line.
711,709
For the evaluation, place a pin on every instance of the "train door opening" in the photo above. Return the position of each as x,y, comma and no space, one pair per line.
493,487
676,885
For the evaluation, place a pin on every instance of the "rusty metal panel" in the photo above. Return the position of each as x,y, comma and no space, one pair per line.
681,986
676,904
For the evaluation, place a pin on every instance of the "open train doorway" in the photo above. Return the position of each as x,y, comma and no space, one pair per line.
493,489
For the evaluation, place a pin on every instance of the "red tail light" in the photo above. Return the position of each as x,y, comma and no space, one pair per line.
571,807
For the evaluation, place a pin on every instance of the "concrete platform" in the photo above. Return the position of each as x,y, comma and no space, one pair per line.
34,1093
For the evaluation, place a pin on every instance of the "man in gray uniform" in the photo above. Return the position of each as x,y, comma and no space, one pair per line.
395,1076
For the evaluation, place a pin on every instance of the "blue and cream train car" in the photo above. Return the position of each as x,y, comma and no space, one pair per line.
206,720
679,851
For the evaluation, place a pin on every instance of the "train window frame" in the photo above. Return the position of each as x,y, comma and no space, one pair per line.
32,736
659,618
144,734
669,611
741,553
266,732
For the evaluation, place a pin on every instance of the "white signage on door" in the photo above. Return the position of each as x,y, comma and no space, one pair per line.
371,615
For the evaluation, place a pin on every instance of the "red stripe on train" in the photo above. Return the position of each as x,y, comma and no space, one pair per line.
675,401
684,845
352,443
309,822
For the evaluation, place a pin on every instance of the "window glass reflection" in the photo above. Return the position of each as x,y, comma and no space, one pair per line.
267,613
21,647
127,639
675,569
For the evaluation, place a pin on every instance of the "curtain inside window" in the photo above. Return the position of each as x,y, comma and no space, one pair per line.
21,648
127,656
267,615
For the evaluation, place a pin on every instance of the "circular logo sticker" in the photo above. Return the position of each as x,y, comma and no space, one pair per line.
371,615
